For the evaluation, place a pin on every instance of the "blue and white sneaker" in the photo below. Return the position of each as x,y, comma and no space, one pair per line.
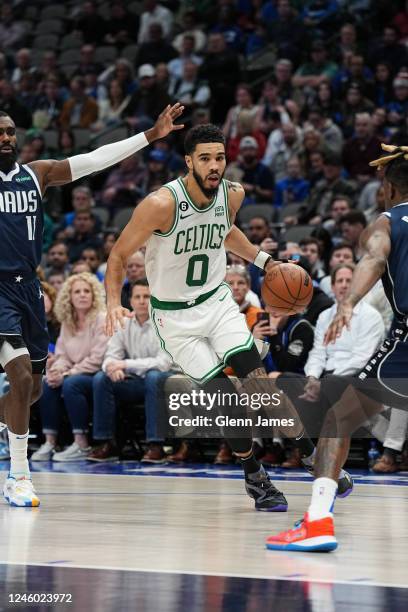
20,492
4,451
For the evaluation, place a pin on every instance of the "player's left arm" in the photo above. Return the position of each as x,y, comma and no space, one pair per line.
236,241
377,245
51,172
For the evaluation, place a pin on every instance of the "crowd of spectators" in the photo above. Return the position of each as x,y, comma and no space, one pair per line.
305,92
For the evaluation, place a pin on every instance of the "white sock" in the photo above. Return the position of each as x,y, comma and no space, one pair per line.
323,495
19,467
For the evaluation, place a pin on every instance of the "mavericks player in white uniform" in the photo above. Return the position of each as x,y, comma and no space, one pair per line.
187,224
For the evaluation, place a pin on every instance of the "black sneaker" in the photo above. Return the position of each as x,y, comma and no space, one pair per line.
266,495
345,483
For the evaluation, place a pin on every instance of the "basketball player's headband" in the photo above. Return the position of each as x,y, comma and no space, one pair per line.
395,152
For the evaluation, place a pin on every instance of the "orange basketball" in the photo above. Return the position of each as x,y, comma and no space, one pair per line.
287,288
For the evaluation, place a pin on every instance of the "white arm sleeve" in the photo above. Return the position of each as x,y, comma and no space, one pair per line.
108,155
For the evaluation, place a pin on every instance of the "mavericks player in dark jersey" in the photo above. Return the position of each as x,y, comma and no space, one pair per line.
384,380
23,331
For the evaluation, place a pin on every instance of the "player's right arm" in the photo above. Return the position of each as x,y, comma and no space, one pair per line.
377,245
155,212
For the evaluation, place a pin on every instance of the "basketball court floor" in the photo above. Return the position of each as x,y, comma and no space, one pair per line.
121,536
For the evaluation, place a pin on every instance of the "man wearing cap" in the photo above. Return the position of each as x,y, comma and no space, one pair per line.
147,101
314,72
255,177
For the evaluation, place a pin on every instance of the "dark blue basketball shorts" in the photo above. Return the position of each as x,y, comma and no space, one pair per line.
22,319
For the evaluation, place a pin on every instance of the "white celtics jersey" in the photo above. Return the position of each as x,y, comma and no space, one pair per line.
189,260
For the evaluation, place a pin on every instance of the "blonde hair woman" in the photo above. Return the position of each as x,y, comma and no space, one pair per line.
79,351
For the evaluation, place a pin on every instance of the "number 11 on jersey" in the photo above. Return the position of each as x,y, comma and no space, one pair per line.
31,227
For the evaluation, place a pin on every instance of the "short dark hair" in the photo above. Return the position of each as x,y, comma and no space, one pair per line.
340,196
340,246
396,172
310,240
353,217
4,114
58,243
202,134
142,282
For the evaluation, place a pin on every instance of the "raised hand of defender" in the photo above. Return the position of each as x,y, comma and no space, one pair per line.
341,320
115,319
165,122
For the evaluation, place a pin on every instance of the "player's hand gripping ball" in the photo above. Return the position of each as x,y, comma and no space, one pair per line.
287,289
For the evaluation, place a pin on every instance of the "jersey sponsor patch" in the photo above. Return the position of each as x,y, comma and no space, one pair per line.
295,348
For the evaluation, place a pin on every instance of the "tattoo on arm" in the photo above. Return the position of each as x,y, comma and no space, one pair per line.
232,186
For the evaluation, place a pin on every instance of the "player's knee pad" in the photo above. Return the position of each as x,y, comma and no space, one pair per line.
245,362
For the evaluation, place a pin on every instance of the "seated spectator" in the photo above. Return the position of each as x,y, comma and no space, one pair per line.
287,32
332,138
121,71
48,106
327,102
11,105
12,31
189,89
56,279
361,149
324,191
318,15
89,23
381,131
80,110
82,201
156,174
293,188
134,370
310,248
175,162
87,62
57,259
397,108
84,235
390,50
156,49
382,84
244,101
111,111
318,69
221,70
190,28
135,271
147,102
255,177
355,73
121,25
227,25
27,154
282,145
355,103
186,54
93,258
79,353
79,267
258,230
154,13
352,226
123,186
340,205
23,61
284,75
269,105
246,126
342,253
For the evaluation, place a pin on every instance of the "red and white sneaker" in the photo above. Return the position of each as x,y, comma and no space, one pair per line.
306,536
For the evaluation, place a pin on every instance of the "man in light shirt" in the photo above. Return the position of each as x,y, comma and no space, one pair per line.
154,13
134,370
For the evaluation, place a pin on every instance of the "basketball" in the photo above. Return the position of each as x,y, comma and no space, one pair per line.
287,288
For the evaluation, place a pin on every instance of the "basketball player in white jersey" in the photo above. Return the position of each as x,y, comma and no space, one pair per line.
187,225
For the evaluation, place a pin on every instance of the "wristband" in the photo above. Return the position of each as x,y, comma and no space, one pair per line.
262,259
